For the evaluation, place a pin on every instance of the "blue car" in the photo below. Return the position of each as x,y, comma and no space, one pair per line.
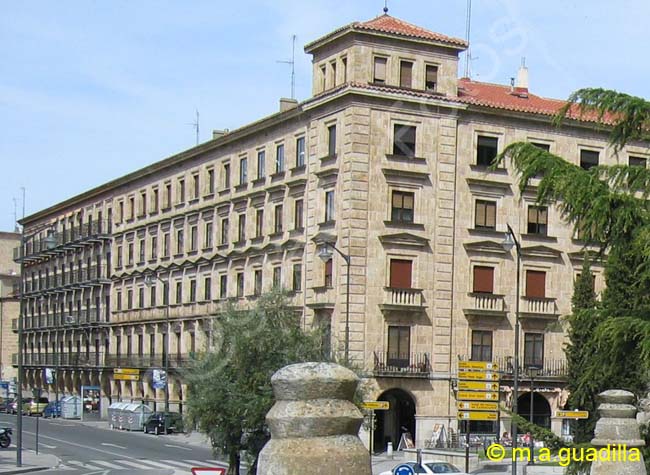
53,409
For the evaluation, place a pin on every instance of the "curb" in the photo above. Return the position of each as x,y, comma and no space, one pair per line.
25,470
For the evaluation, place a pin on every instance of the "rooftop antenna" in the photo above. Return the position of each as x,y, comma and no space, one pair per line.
385,7
15,214
293,66
196,126
468,28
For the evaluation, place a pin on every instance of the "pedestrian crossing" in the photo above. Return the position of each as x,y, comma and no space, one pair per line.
178,467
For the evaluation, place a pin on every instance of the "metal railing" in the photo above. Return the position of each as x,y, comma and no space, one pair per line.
95,274
82,359
401,364
550,367
148,361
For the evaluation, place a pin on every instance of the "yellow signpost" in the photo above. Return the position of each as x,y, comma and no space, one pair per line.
478,376
126,377
480,365
477,386
476,396
376,405
572,414
478,406
478,416
126,371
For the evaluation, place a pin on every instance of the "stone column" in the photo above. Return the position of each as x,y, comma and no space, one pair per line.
616,427
314,424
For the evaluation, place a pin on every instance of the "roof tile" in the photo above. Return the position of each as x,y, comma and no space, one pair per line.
388,24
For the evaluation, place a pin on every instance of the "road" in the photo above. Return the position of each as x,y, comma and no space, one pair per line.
86,449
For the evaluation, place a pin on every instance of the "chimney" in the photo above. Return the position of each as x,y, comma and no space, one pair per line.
287,104
217,134
522,76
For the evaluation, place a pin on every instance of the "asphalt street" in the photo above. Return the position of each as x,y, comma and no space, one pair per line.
87,449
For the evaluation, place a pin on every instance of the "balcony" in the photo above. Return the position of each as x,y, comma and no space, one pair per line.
550,368
149,361
407,365
84,277
484,304
409,300
538,307
81,359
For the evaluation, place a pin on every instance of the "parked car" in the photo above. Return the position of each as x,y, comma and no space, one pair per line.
429,467
53,409
156,423
12,407
33,407
5,404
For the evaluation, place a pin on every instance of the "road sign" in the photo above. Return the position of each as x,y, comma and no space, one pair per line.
477,386
126,371
478,416
403,469
478,406
478,376
376,405
478,365
572,414
476,396
126,377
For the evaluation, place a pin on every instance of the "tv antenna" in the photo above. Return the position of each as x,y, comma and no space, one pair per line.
293,66
15,213
468,29
196,126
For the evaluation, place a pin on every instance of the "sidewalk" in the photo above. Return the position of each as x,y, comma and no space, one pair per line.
31,461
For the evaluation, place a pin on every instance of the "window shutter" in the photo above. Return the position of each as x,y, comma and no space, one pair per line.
484,279
380,70
535,284
406,70
400,274
432,75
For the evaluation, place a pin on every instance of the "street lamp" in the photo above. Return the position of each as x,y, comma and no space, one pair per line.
325,254
508,243
533,371
149,281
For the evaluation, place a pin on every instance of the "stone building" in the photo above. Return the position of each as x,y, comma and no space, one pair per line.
9,304
388,161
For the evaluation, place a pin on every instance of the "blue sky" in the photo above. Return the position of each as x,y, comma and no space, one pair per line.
91,90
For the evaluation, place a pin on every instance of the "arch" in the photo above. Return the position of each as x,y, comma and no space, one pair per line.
391,424
541,409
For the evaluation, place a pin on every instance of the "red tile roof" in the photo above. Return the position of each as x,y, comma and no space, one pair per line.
388,24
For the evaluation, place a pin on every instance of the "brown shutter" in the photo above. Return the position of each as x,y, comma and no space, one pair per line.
535,284
400,274
406,74
380,70
484,279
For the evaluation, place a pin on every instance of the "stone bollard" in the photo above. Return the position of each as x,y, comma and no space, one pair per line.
314,424
617,426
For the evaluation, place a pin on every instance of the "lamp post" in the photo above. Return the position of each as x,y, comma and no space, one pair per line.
533,371
508,243
149,280
325,254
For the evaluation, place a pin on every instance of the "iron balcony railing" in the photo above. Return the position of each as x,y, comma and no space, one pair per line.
547,367
148,361
402,364
93,275
80,359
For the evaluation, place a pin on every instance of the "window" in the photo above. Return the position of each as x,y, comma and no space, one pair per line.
535,284
166,245
483,280
431,77
210,181
331,141
196,184
486,150
277,277
179,241
300,152
404,140
141,251
329,206
542,146
165,293
180,197
140,297
207,238
120,211
400,273
638,162
258,282
224,231
154,247
152,344
207,288
328,274
154,201
259,223
243,171
402,207
192,290
223,286
140,345
344,63
143,203
333,67
131,207
588,159
399,344
168,195
277,226
241,228
118,300
240,284
226,176
152,296
323,76
379,72
481,345
298,214
194,238
119,258
297,277
129,255
486,215
261,164
538,220
534,350
406,74
279,158
179,292
129,301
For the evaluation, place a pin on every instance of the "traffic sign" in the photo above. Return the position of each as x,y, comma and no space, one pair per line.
572,414
376,405
403,469
477,386
478,406
126,377
478,376
476,396
126,371
478,365
478,416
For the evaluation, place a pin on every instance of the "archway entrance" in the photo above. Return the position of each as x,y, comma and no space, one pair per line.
541,409
392,423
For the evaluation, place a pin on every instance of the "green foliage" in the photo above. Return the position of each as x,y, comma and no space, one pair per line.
230,389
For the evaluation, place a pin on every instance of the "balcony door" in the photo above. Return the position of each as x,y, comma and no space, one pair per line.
534,350
399,344
401,272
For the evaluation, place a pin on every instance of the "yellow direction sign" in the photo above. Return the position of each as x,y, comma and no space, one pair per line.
477,376
478,406
376,405
478,416
478,365
126,371
475,396
477,386
572,414
126,377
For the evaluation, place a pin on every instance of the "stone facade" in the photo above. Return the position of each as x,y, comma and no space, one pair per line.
9,304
